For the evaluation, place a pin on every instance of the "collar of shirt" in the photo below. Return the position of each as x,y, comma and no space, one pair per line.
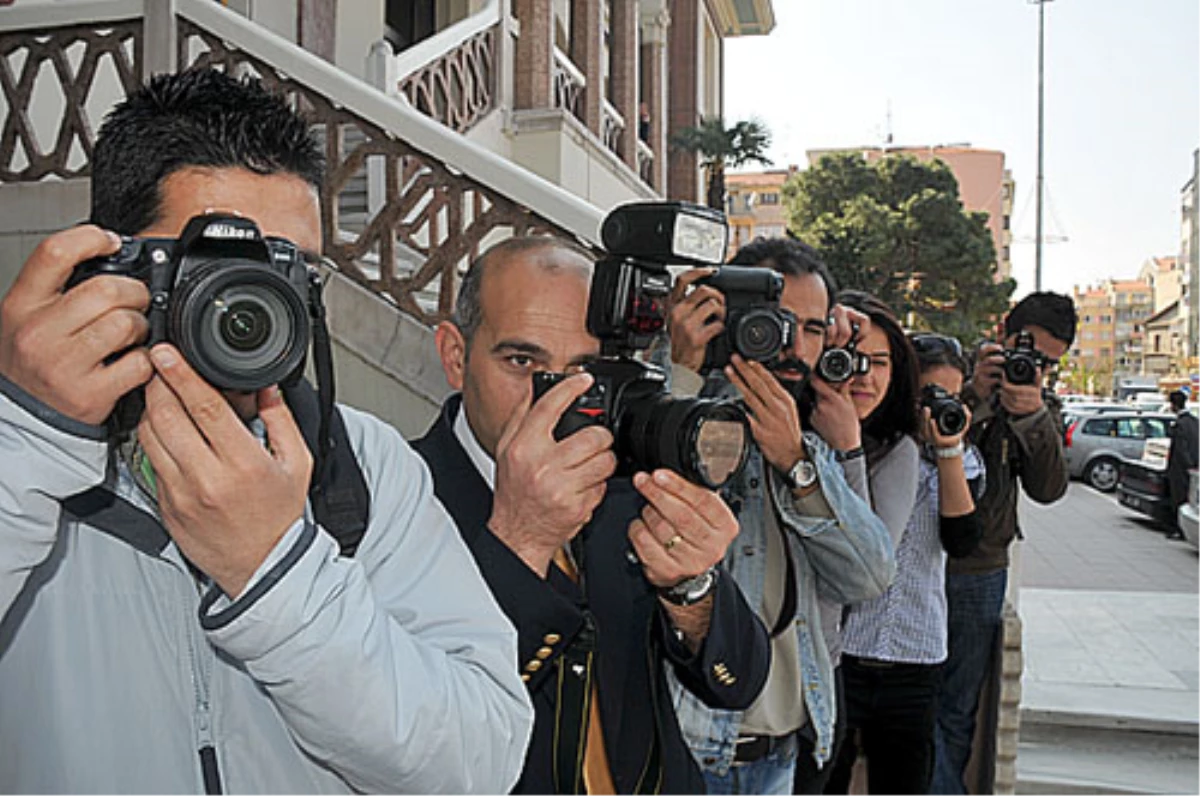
478,456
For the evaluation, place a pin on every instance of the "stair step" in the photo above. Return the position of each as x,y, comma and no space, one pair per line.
1055,758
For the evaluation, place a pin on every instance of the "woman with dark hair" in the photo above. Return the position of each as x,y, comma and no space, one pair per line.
895,644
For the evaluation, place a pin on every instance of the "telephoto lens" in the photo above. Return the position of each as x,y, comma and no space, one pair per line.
704,440
947,411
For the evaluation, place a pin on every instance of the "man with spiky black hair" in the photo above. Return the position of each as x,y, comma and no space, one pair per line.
1018,430
194,626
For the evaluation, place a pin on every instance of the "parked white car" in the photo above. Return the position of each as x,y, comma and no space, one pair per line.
1188,512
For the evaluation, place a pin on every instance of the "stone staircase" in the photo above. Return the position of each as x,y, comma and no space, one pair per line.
1103,748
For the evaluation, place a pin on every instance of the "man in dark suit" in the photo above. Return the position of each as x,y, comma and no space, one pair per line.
606,579
1182,456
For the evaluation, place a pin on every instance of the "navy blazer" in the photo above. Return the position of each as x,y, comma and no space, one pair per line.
633,632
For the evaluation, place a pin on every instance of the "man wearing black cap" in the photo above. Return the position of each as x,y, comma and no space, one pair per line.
1017,427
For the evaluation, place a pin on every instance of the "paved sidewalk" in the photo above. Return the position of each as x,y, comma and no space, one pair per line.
1113,659
1110,614
1111,629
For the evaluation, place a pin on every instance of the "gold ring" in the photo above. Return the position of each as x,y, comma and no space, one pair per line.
670,543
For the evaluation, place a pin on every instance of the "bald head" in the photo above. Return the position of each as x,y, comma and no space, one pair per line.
543,253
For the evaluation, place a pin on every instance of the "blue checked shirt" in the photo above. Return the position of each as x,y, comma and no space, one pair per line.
907,623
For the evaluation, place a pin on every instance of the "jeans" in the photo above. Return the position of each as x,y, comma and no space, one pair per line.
891,713
974,605
769,774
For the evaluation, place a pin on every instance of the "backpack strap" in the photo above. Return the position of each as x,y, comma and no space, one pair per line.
338,494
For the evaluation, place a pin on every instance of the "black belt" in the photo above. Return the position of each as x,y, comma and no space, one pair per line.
752,748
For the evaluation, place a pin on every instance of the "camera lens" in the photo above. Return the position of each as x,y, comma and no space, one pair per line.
241,325
245,325
950,417
704,440
1020,369
758,335
836,365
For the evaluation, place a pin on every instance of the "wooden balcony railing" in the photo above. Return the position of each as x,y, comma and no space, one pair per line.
445,198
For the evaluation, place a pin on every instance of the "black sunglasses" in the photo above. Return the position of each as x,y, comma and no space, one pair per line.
929,343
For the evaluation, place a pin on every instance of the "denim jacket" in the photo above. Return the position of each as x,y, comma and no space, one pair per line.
846,558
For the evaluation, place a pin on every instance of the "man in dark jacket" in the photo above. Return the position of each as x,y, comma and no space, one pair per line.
1018,429
1182,457
606,579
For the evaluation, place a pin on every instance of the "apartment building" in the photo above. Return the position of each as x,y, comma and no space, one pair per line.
754,205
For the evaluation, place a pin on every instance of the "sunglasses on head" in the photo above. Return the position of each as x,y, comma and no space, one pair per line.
929,343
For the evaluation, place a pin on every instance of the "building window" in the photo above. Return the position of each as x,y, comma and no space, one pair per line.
768,198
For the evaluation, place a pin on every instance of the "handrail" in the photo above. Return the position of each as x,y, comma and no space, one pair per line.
51,14
547,200
429,50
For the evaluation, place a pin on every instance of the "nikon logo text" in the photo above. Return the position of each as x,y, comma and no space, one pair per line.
229,231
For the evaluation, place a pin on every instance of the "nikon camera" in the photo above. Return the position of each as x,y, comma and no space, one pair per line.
756,328
947,411
236,304
838,365
1021,362
704,440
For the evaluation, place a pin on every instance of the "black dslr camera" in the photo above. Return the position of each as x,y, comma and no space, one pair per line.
704,440
755,326
1021,362
947,411
837,365
236,304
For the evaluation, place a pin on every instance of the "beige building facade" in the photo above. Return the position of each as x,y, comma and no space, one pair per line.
1111,336
754,205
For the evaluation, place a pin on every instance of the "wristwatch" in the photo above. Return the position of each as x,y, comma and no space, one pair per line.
690,591
802,475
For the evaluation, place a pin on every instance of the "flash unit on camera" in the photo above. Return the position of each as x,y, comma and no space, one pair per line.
666,232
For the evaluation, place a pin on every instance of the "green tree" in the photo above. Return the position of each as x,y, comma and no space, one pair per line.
897,229
721,148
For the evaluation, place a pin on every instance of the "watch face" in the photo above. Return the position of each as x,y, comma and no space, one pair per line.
804,473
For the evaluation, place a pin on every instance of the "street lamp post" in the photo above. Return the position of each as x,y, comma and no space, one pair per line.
1037,244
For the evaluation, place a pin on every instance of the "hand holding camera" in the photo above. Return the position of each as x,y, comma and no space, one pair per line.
1014,374
946,418
547,486
683,531
204,456
695,319
63,348
774,415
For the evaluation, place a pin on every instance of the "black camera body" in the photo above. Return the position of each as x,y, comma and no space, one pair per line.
236,304
756,328
1021,362
947,411
704,440
838,365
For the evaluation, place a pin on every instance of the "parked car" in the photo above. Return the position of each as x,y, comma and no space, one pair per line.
1142,485
1073,411
1096,444
1188,512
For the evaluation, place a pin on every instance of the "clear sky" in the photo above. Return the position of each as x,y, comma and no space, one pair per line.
1122,107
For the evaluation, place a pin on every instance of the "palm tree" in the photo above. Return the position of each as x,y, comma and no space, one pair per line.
722,148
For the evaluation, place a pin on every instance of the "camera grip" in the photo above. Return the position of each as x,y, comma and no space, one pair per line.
586,410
